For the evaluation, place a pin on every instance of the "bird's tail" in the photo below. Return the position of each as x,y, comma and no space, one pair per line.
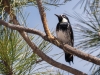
68,57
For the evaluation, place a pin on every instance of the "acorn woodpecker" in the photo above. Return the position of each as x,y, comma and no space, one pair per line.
64,33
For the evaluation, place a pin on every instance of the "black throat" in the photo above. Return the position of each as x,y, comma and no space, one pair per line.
62,26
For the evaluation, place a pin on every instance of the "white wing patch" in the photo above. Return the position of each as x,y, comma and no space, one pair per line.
64,20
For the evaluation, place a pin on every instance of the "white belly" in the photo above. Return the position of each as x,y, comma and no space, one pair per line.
62,36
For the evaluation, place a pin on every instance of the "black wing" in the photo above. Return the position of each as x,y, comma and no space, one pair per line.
71,35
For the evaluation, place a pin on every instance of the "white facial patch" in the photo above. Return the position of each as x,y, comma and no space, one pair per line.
64,20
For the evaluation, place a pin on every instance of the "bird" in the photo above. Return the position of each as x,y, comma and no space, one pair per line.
64,34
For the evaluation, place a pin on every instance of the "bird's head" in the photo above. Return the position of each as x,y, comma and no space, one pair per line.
62,18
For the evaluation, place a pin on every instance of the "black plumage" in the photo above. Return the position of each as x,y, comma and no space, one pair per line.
64,33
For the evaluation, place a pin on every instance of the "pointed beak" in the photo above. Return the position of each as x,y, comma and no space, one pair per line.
57,15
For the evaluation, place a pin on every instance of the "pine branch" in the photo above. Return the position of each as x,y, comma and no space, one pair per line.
47,37
66,47
39,52
32,45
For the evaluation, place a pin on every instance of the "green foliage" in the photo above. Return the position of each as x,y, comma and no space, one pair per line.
50,72
15,55
89,37
89,28
21,3
97,71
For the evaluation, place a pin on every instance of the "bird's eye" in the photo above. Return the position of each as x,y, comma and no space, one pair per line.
64,16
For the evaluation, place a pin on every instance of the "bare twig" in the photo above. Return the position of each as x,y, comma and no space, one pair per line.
38,61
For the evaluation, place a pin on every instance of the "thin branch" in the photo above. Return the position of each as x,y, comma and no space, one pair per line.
39,52
66,47
38,61
43,19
